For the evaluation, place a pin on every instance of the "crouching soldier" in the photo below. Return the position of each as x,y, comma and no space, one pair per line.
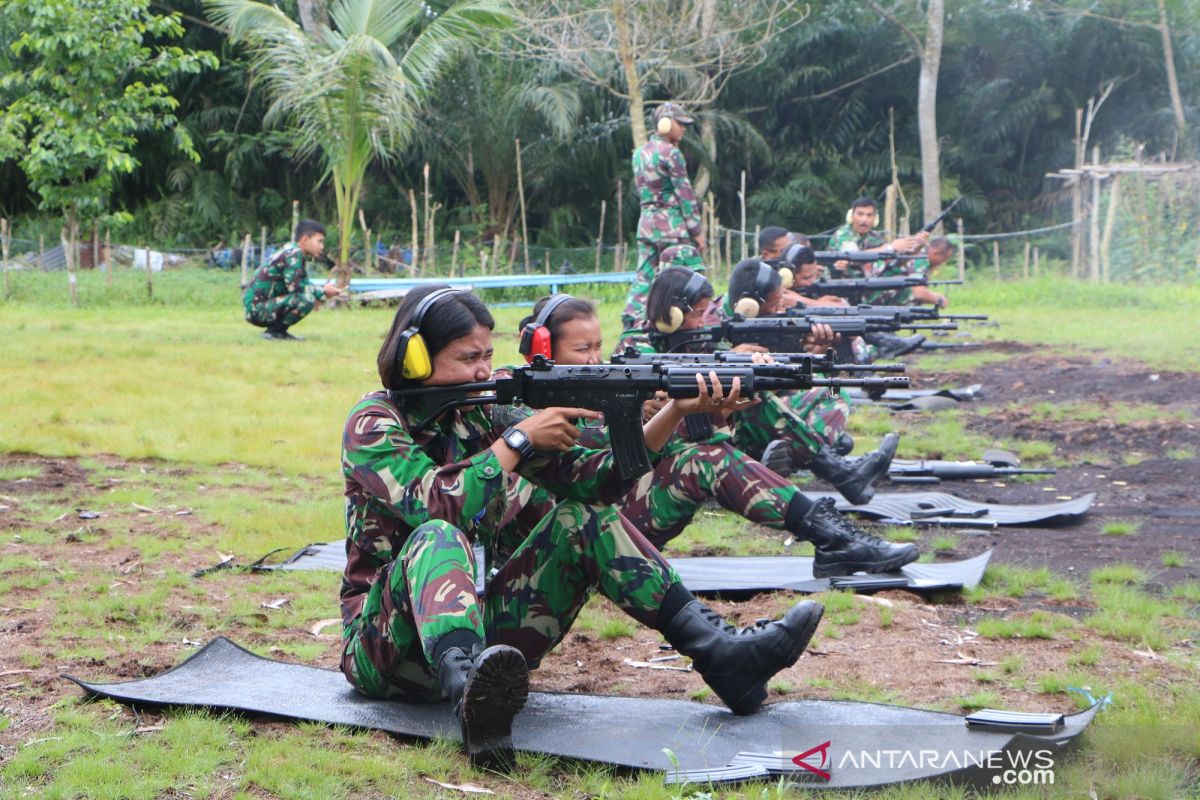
453,587
279,296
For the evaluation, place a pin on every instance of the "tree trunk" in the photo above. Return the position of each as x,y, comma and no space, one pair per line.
1172,78
931,58
313,14
637,108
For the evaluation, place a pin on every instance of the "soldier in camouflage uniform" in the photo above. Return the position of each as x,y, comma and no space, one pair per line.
458,575
796,430
280,295
664,501
937,253
670,231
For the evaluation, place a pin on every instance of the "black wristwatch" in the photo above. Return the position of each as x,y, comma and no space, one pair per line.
518,440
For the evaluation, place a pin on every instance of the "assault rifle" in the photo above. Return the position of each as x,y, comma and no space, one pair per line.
815,363
938,471
898,313
782,334
616,390
853,289
862,256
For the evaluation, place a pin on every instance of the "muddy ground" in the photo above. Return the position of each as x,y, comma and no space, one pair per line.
894,646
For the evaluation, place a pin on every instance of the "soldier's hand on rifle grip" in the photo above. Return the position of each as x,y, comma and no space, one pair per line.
654,405
554,428
748,348
701,242
821,338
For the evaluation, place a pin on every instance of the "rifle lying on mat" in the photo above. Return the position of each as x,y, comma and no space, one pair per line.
784,334
816,363
899,313
618,391
938,471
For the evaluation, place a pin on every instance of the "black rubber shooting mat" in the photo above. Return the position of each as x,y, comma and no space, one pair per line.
624,731
963,393
939,508
728,574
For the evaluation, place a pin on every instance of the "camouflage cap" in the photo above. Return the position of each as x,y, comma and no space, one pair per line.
672,111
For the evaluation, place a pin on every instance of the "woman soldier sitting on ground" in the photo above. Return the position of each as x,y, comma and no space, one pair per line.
664,501
788,430
427,512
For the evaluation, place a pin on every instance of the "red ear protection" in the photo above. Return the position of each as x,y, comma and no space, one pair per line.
535,337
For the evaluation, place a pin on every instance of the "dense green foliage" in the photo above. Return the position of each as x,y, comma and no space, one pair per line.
810,125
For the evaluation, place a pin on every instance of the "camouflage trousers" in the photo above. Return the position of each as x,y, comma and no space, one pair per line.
805,420
653,257
286,310
428,591
665,500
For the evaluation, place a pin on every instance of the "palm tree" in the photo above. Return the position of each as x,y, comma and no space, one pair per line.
353,94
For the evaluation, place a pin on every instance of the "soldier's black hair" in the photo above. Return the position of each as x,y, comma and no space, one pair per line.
449,318
743,277
567,310
667,291
767,236
864,202
307,227
940,243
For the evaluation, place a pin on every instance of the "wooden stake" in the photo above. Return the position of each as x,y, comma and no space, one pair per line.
742,202
428,222
295,217
962,246
728,252
1037,270
483,257
1094,232
362,221
4,238
247,242
454,252
416,250
600,233
95,248
996,256
1025,268
1110,223
72,283
547,260
620,214
754,244
262,248
107,252
149,275
521,196
1077,199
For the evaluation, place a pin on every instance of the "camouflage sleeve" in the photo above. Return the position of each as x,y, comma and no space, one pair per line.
689,206
295,277
839,239
635,338
380,455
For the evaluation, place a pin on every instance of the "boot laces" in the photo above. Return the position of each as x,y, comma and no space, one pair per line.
719,622
848,528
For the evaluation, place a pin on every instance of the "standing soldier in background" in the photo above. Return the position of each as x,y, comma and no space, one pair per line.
279,296
669,231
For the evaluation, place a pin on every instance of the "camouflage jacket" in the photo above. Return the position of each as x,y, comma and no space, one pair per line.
283,274
395,481
898,268
844,238
670,210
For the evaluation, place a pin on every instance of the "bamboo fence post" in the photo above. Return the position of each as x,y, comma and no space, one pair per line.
1037,268
454,252
42,256
1077,199
95,247
416,249
108,259
620,214
521,197
362,222
431,241
1025,268
262,247
754,243
1110,224
295,217
600,233
4,237
996,256
547,260
425,216
246,243
742,202
961,251
728,252
149,275
72,283
1094,233
483,257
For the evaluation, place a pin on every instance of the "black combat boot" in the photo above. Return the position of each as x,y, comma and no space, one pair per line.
778,457
736,663
889,345
843,445
486,687
275,332
854,479
842,548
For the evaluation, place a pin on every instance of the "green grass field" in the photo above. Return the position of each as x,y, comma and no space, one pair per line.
175,405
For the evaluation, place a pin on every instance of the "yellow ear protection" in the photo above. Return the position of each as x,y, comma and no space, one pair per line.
850,217
750,305
412,354
535,337
687,300
663,126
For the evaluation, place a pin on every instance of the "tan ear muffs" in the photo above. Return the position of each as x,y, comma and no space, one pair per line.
673,324
748,307
664,126
787,276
